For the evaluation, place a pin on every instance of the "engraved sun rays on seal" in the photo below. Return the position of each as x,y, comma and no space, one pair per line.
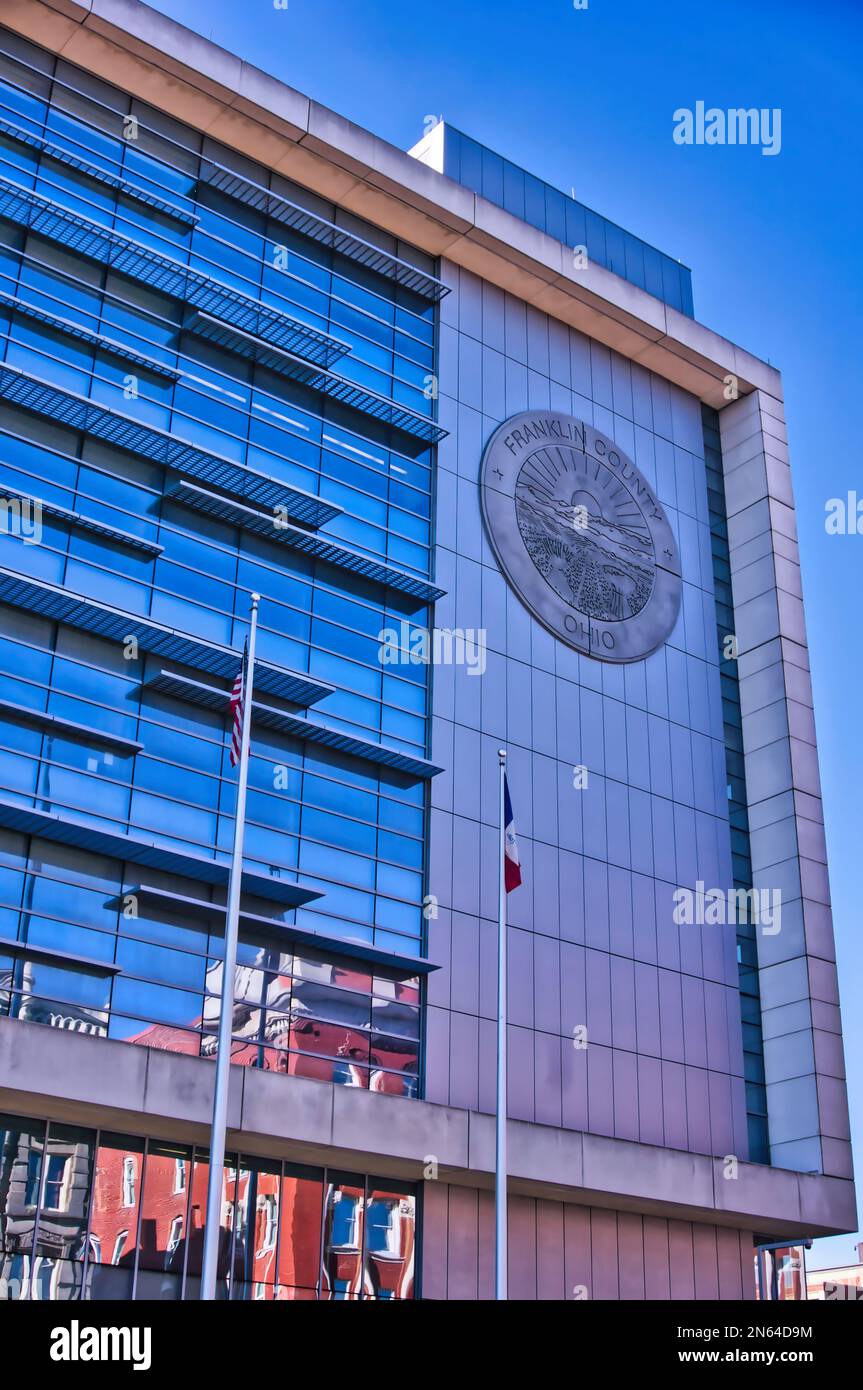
585,533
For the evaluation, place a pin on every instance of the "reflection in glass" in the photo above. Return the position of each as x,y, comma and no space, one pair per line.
163,1208
198,1212
157,1286
55,1012
260,1292
390,1230
342,1071
300,1239
119,1172
66,1186
56,1281
257,1223
278,992
288,1232
351,1028
341,1269
159,1035
63,998
6,970
22,1143
105,1283
394,1053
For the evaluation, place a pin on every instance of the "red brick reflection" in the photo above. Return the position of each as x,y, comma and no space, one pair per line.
296,1043
383,1225
277,1249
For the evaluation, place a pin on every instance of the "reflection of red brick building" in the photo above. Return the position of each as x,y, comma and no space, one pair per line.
381,1224
113,1220
370,1044
300,1245
274,1220
169,1039
121,1199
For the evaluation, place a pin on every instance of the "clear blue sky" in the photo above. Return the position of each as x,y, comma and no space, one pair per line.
584,99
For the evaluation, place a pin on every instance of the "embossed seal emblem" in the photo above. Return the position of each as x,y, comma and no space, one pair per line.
580,535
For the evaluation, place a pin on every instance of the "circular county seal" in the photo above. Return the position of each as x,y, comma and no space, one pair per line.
580,535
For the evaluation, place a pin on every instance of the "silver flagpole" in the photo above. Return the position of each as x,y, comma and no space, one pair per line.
212,1227
500,1115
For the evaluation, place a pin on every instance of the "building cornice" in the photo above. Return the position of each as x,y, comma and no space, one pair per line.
185,75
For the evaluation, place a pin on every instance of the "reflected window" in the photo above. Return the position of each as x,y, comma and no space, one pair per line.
66,1191
270,1224
383,1227
344,1231
116,1198
390,1233
341,1273
55,1178
21,1147
257,1222
129,1176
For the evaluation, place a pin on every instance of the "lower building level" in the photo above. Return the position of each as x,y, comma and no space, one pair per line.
334,1192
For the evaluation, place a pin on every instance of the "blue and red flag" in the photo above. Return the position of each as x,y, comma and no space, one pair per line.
511,866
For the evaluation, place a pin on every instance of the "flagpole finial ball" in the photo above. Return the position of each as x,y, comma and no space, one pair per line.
501,753
256,598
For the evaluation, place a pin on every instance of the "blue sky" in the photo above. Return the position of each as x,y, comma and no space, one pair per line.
584,99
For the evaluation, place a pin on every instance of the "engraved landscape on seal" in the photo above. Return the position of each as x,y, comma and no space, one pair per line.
585,533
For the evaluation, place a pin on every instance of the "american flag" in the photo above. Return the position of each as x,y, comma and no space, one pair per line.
238,700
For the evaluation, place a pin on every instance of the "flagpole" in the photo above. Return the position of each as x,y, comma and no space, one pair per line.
212,1226
500,1244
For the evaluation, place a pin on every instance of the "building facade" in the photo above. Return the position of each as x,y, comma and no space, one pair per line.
248,346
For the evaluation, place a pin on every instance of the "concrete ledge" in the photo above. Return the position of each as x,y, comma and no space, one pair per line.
163,63
96,1082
